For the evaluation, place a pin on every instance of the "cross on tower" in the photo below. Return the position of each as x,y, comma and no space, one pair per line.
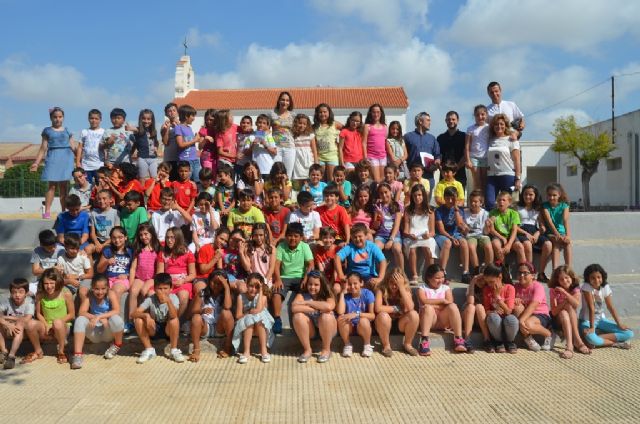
185,45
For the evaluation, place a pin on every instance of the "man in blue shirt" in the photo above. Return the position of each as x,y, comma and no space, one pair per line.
420,142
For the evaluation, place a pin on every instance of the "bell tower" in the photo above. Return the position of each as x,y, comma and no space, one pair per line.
185,78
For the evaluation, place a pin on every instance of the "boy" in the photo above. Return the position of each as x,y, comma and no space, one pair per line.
415,177
344,186
448,180
306,216
153,186
324,255
169,215
263,147
315,186
187,151
243,142
206,182
103,182
44,256
88,152
204,222
294,260
478,226
356,312
81,188
449,228
225,191
132,214
116,141
73,220
504,229
76,269
185,190
362,257
102,219
333,215
16,312
245,214
157,317
276,215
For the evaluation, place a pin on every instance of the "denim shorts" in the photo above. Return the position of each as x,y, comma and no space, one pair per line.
545,320
440,239
480,162
384,240
328,162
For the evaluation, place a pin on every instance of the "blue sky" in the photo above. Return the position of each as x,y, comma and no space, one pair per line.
123,54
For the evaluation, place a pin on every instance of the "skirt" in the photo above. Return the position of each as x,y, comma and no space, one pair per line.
58,165
303,161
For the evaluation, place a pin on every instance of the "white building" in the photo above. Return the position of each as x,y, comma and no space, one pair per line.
617,181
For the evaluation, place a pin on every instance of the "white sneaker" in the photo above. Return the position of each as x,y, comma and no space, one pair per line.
242,359
347,351
111,352
547,345
146,355
622,345
265,358
532,344
367,351
176,355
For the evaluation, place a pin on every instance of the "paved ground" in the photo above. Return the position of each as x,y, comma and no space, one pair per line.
526,387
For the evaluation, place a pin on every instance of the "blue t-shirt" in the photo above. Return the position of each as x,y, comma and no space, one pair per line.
123,262
146,146
448,218
57,139
363,261
316,192
190,153
361,304
346,186
65,223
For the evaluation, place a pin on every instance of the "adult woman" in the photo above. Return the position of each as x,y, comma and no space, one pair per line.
503,159
282,123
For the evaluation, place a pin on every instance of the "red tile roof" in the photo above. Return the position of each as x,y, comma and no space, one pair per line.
19,152
303,98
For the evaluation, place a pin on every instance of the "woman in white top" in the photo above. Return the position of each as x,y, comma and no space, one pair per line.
503,160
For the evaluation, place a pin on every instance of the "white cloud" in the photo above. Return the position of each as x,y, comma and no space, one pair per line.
627,84
21,132
573,25
540,126
195,38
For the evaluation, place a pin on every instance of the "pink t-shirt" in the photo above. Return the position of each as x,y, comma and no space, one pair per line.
361,217
177,266
228,141
376,142
352,147
208,153
146,266
260,261
533,292
439,293
559,297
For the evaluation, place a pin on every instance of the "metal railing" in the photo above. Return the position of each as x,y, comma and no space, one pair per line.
28,184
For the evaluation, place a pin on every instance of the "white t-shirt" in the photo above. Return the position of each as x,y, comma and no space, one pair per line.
508,108
162,221
598,301
476,222
9,309
75,265
90,140
499,156
528,216
309,222
479,140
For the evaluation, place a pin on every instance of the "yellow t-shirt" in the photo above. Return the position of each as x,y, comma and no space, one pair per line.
408,185
442,185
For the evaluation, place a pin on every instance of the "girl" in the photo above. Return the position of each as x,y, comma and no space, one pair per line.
498,301
504,229
356,312
54,313
115,261
204,222
556,219
474,309
259,255
123,180
374,140
250,178
100,314
438,311
209,260
362,209
313,314
206,142
278,179
252,316
245,131
145,142
396,149
531,230
394,301
226,137
306,152
419,230
564,298
531,308
327,131
282,118
597,330
145,251
362,177
475,148
59,146
387,224
211,314
391,177
350,147
503,158
177,261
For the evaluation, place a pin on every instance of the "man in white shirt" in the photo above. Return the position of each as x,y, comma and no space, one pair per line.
497,105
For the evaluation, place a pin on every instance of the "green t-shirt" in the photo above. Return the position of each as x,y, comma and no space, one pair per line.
131,220
293,261
504,222
244,220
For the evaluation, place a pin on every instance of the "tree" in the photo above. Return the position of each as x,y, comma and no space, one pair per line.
587,147
18,181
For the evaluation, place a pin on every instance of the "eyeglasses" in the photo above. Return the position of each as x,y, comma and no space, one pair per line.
524,273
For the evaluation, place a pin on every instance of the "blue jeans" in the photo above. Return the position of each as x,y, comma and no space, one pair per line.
604,326
496,184
195,170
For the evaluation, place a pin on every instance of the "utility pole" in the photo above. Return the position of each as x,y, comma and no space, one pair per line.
613,116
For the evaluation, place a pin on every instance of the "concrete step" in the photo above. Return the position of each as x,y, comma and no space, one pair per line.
22,233
605,225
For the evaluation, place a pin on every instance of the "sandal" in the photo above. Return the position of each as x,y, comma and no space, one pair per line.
195,355
411,351
584,349
567,354
33,356
62,358
222,354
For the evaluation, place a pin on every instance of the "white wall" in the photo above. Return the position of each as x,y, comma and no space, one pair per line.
536,154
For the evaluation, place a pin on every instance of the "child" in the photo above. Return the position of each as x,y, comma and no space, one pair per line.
596,328
564,298
387,224
226,137
556,218
478,227
374,140
333,215
362,210
204,222
206,182
315,185
531,230
531,308
351,148
81,188
187,151
54,314
475,148
449,227
263,148
116,141
16,313
473,309
153,186
415,177
355,311
133,214
505,228
419,230
44,256
123,180
438,310
102,219
343,185
146,144
391,177
245,215
245,131
177,261
211,314
362,257
306,151
145,252
185,190
394,301
252,316
103,182
157,317
99,314
250,178
206,142
327,131
259,255
276,216
115,261
313,315
225,190
73,220
169,215
88,152
209,257
294,260
231,262
498,297
397,149
307,217
76,269
448,180
324,256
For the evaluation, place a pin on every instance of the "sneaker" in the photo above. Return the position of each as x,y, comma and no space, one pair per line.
129,328
176,355
3,357
242,359
265,359
9,362
277,325
548,344
424,348
512,347
466,278
111,352
76,362
367,351
469,345
347,351
622,345
324,358
459,345
532,344
489,346
499,347
146,355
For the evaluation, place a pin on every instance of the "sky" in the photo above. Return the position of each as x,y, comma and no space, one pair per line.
552,57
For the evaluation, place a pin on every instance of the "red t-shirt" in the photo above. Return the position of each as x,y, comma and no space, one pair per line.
134,185
153,203
177,266
228,141
204,256
352,147
335,218
325,258
507,293
185,191
276,220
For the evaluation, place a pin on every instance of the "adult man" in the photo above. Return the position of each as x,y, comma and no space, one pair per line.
422,147
497,105
452,146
